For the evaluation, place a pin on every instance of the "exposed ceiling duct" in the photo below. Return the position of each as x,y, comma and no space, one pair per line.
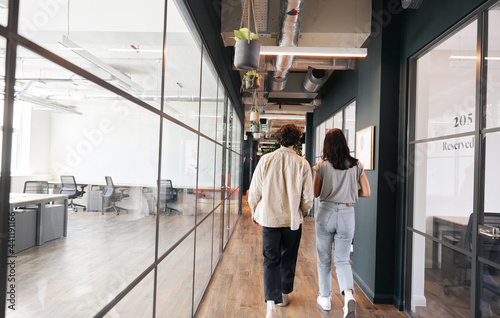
314,79
288,81
290,14
304,63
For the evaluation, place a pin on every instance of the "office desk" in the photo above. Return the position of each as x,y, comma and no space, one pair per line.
48,221
451,229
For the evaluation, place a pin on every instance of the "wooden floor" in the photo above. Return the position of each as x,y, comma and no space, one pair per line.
236,290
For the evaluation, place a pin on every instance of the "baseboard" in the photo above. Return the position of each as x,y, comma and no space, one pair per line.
418,301
400,305
374,298
364,287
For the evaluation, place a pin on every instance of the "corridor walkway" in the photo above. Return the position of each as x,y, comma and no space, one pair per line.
237,291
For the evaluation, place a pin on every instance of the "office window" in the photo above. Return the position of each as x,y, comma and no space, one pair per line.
445,190
182,68
4,11
493,63
221,106
175,282
446,82
492,186
203,258
2,84
444,179
89,140
209,98
123,47
168,210
206,178
443,175
337,121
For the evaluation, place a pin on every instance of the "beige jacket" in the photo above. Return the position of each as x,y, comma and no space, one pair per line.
281,192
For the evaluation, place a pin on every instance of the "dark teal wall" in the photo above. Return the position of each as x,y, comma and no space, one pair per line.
337,92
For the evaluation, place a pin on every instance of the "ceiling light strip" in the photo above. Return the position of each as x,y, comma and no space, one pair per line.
313,51
100,63
137,51
45,103
471,57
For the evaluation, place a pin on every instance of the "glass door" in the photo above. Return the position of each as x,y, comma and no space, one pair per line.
454,145
488,237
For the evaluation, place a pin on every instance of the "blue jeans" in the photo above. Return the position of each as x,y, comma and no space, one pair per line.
334,222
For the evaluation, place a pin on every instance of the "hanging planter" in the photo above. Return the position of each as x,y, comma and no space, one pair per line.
251,80
254,112
254,116
246,54
254,126
247,46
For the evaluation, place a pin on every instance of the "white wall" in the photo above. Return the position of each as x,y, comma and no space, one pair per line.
40,145
110,138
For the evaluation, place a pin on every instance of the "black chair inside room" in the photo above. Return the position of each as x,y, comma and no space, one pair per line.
168,195
36,187
489,249
70,187
112,195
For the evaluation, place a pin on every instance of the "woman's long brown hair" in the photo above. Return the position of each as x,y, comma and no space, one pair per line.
336,150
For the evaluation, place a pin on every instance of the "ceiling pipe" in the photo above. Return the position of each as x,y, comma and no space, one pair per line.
291,11
329,63
314,79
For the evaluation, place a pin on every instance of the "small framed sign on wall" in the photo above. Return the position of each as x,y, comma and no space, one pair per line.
364,146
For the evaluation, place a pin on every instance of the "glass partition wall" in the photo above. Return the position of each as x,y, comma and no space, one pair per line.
97,96
453,206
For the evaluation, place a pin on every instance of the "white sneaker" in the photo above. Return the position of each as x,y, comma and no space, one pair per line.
350,309
324,302
271,313
286,300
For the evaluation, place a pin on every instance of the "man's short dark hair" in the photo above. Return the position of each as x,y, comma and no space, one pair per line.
288,135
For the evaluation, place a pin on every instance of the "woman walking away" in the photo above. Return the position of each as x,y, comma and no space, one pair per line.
280,196
336,184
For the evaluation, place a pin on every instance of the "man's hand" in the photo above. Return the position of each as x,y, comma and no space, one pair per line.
254,222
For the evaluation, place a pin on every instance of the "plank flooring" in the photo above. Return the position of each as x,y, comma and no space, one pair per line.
236,290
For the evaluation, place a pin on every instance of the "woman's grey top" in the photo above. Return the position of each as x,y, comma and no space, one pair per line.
338,185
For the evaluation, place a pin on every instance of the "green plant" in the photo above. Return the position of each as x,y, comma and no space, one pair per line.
245,34
254,126
249,79
252,73
297,148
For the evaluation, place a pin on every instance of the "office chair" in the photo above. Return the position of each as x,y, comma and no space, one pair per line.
69,187
39,187
113,195
490,249
36,187
167,194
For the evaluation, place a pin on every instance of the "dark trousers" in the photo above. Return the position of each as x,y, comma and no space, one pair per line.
280,247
